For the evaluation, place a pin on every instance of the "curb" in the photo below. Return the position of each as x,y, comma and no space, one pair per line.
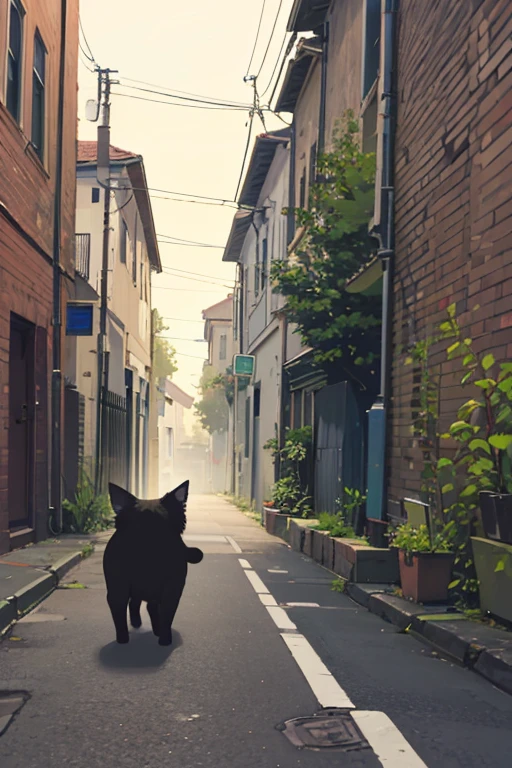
25,600
480,648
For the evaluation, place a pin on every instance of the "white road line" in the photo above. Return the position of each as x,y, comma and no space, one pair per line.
267,599
302,605
244,563
234,545
387,742
390,746
326,689
276,570
280,618
256,582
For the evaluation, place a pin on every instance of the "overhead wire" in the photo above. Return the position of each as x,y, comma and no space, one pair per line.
257,37
91,56
194,279
212,108
187,93
270,39
198,274
238,105
191,245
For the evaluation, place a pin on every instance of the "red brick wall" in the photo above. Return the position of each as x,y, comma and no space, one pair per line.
453,196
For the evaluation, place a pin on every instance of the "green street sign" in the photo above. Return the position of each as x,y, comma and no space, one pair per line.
243,365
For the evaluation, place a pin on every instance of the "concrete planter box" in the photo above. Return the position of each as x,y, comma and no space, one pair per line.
276,523
299,530
365,565
323,548
495,588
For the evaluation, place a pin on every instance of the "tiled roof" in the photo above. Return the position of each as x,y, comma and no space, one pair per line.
88,152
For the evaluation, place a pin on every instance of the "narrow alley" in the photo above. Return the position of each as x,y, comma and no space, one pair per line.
256,624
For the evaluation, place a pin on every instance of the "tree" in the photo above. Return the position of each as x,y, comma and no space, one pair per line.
212,409
164,354
343,328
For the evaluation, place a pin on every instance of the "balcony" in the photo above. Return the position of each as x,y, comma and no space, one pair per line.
82,255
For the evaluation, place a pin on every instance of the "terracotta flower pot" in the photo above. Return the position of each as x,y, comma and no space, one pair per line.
425,575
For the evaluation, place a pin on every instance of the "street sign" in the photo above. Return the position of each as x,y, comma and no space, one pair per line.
243,365
79,318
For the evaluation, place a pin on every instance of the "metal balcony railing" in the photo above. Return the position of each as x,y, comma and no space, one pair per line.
82,254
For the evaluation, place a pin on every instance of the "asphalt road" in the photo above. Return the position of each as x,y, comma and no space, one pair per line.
243,662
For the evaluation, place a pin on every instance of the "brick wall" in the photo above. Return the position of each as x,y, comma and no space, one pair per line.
453,196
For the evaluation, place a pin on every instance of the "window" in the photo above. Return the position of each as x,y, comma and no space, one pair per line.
257,269
302,193
123,241
38,95
170,442
264,264
247,426
312,164
14,59
134,262
95,196
141,281
223,347
371,44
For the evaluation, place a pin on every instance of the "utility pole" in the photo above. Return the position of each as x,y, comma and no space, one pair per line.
103,176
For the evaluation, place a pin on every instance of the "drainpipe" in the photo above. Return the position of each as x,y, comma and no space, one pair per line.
323,87
386,251
56,398
291,187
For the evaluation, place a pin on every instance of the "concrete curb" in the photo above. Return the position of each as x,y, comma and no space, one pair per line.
483,649
26,599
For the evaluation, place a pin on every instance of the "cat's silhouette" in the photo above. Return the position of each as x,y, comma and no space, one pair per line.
146,560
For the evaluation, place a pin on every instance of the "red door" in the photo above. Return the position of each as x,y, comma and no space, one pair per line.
21,423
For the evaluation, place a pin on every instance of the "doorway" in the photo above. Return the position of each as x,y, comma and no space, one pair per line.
21,423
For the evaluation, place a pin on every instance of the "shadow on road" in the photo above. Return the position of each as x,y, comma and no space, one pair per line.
141,654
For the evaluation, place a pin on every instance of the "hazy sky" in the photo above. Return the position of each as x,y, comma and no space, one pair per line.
201,47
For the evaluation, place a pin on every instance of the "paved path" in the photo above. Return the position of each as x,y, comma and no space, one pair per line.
246,658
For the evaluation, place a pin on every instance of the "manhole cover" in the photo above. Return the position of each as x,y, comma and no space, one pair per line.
331,729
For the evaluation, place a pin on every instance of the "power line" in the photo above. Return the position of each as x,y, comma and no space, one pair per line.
257,37
192,245
197,202
187,93
271,36
91,57
181,338
196,279
210,102
218,289
182,320
251,120
280,59
199,274
196,357
217,108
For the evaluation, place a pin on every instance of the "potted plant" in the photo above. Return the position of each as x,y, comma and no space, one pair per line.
483,432
425,560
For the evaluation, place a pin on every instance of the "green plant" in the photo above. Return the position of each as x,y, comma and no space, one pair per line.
89,512
342,328
87,550
339,585
164,354
290,492
411,539
351,505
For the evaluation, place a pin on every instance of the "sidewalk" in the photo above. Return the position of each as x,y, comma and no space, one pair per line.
30,574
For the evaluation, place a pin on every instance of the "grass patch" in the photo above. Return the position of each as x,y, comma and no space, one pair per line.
339,585
87,549
244,506
72,585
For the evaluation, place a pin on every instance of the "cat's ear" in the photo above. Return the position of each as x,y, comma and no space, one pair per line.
180,495
119,498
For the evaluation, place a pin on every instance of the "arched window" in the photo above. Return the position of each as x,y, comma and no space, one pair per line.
14,59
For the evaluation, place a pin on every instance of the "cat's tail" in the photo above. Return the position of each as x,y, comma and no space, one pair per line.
194,555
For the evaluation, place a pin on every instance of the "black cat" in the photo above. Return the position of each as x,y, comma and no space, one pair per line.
146,559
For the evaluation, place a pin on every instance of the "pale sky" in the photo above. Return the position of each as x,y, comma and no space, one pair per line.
202,47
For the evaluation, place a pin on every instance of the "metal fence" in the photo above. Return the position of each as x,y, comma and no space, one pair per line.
114,455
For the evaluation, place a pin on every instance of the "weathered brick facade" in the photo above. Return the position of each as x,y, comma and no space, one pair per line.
453,197
27,193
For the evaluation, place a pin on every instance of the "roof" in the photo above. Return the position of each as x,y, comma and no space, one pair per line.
87,155
228,301
262,156
87,152
239,228
307,15
298,68
175,393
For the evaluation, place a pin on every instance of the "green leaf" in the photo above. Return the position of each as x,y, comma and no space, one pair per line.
447,488
452,309
457,426
466,377
454,347
507,367
453,584
500,565
479,443
485,383
488,362
501,442
469,490
444,462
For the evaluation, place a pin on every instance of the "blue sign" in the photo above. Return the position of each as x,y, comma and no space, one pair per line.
79,319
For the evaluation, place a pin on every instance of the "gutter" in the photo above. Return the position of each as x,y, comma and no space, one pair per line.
56,396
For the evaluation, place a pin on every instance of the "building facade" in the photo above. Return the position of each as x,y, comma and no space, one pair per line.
127,443
38,128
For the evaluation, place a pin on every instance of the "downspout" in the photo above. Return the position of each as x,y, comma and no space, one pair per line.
56,404
386,251
323,87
